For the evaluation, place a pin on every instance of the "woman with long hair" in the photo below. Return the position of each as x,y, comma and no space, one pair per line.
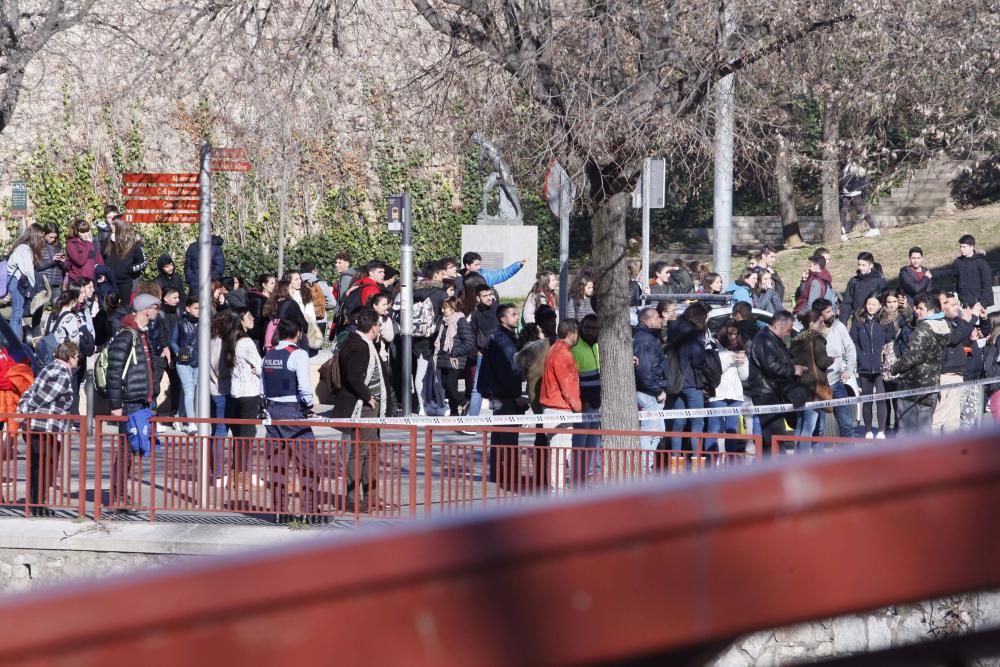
82,253
22,281
451,349
240,355
220,385
809,350
578,305
870,337
900,320
544,293
686,336
280,306
991,365
301,294
742,288
53,262
711,283
123,254
764,295
729,392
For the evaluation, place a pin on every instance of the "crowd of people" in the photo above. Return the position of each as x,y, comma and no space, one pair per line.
88,300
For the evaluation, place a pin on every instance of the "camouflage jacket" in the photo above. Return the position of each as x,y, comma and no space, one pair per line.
920,365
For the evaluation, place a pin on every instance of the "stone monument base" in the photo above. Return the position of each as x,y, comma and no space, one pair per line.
497,220
502,245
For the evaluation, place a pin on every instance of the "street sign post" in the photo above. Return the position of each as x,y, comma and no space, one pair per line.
403,205
19,199
560,195
652,193
394,214
161,198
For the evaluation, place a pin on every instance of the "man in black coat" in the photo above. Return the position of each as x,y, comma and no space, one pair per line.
500,380
973,276
771,371
364,391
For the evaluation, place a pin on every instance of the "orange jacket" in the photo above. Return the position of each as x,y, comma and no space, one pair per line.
561,380
20,377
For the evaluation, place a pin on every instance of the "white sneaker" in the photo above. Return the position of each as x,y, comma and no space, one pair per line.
255,480
222,481
869,435
880,436
873,232
843,238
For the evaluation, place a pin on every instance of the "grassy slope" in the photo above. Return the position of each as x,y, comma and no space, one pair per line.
938,238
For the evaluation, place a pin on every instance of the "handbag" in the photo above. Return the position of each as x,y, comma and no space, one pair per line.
824,392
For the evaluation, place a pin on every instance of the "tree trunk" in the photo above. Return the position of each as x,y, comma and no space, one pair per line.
618,405
830,175
790,233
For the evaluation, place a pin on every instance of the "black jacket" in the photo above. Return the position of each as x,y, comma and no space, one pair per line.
125,269
135,384
461,346
353,360
168,280
484,323
500,377
954,358
870,336
973,280
651,372
859,288
217,269
910,285
771,368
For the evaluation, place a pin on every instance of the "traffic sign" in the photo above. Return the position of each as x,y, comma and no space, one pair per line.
159,178
19,199
161,204
164,217
230,159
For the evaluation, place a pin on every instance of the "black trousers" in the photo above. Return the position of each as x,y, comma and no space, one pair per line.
449,378
243,407
45,449
504,457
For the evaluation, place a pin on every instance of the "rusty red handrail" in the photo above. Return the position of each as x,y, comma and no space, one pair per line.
587,581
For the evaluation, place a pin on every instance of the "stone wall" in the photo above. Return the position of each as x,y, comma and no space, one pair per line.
23,569
754,231
857,633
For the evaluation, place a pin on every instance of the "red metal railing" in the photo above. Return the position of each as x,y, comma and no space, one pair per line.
661,573
41,470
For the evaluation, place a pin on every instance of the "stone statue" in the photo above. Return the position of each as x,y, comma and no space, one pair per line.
500,177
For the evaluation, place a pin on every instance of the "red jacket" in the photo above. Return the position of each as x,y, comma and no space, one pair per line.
82,258
368,287
561,380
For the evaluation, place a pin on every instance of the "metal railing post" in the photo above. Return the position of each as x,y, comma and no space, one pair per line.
91,397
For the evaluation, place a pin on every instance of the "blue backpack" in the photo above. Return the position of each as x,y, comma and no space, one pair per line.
435,403
45,347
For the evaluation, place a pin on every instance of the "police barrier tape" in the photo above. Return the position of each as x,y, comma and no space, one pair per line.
576,418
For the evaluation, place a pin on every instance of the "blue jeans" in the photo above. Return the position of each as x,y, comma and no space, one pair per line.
587,451
730,423
217,452
647,402
689,399
845,414
805,427
189,385
475,398
16,308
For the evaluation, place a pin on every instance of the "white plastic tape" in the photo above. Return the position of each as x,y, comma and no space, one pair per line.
576,418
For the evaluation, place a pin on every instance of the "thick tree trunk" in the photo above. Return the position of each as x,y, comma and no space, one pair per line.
790,233
618,406
830,175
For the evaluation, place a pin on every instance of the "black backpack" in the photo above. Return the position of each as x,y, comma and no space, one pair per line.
710,374
675,374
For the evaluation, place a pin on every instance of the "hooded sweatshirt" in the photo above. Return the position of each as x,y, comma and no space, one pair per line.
168,280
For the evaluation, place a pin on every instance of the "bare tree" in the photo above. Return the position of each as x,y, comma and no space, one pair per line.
612,82
25,30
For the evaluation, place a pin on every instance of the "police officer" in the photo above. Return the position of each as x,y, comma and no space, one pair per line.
289,397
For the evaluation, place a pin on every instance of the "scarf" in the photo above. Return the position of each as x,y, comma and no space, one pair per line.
450,331
374,366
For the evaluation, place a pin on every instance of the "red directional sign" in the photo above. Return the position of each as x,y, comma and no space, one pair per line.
159,191
181,218
230,159
160,178
161,198
161,204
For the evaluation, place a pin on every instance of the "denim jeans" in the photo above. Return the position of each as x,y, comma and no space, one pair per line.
217,452
475,398
689,399
730,423
587,450
916,418
189,386
846,415
647,402
16,308
804,427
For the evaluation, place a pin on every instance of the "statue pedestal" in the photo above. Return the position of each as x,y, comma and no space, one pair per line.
501,244
497,220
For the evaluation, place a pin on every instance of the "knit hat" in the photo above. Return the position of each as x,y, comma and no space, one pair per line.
144,301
